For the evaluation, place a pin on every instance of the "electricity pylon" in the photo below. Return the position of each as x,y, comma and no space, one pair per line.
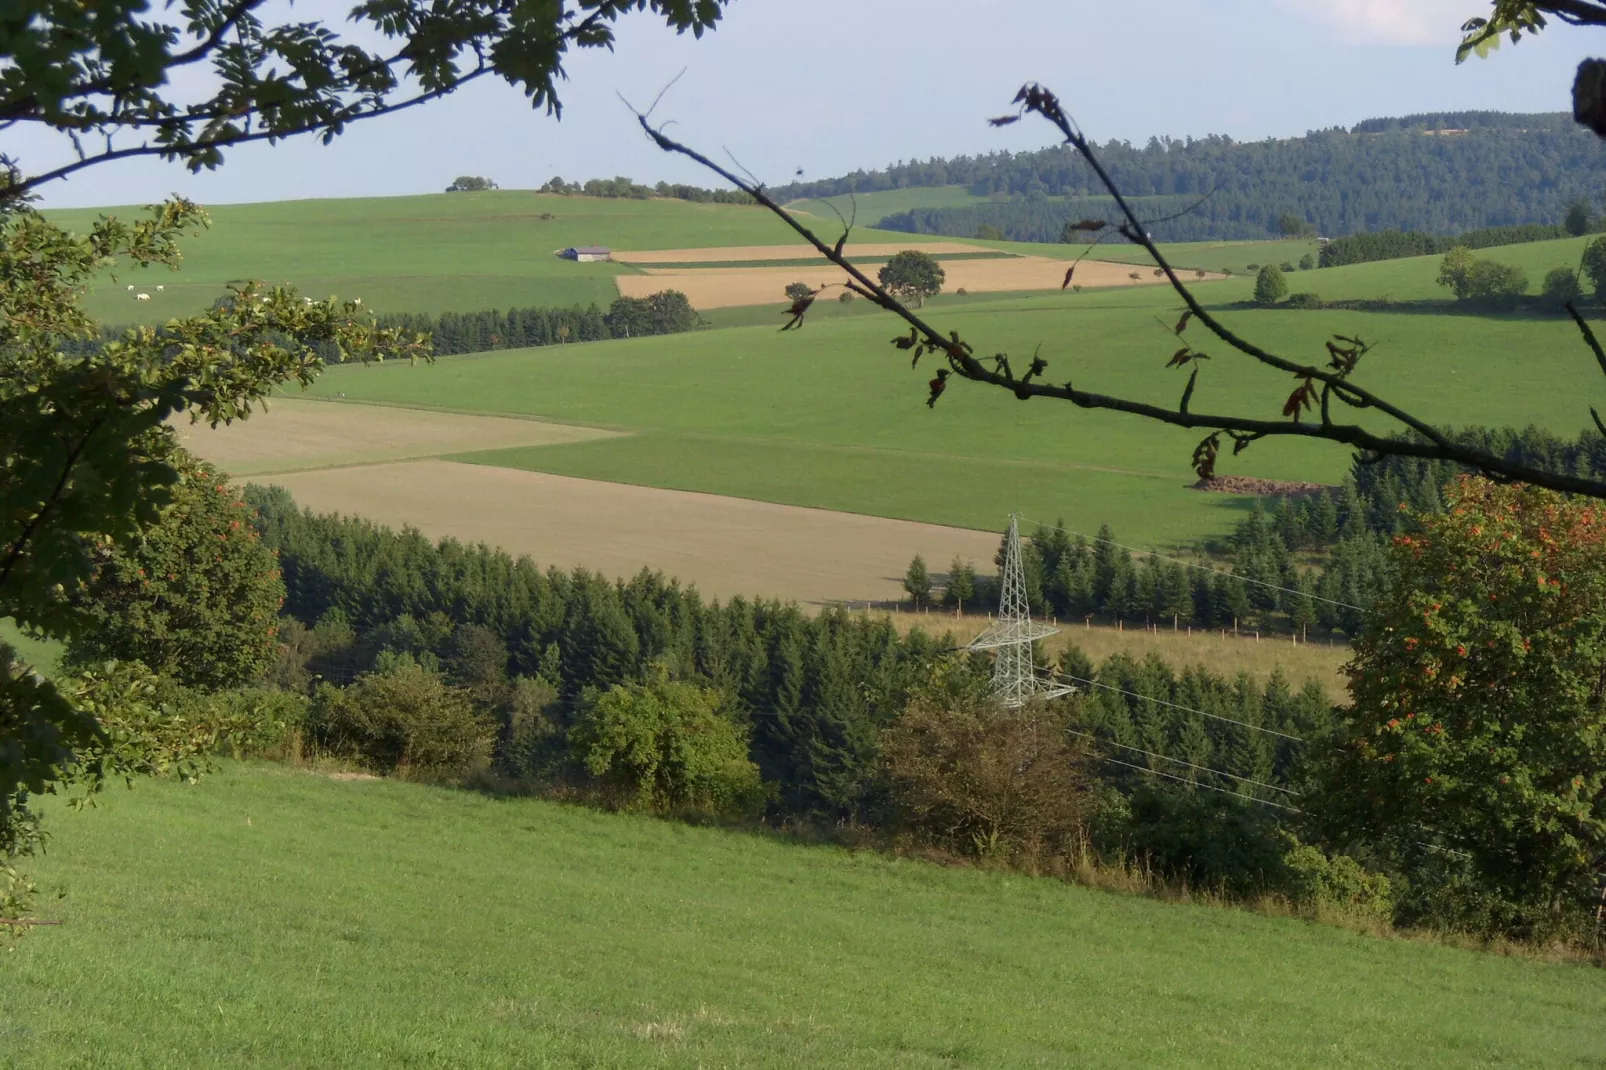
1015,680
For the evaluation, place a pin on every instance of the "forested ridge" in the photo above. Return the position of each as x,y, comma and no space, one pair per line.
1442,174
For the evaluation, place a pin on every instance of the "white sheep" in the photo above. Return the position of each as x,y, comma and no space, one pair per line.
142,297
130,287
356,300
158,288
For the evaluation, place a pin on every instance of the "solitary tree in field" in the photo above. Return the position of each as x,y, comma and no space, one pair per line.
1594,267
1270,285
917,581
1561,287
1580,219
797,291
913,276
469,184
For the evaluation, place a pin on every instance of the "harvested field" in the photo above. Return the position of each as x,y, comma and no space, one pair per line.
295,434
724,546
728,287
1220,651
795,251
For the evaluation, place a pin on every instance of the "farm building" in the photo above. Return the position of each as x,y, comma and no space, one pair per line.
586,253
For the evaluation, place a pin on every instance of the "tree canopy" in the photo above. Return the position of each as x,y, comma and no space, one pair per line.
105,77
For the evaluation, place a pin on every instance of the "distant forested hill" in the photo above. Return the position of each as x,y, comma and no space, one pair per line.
1442,174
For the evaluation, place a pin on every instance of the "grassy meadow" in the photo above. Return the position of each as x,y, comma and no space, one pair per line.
832,415
446,252
272,916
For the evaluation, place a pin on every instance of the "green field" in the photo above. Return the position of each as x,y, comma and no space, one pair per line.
833,416
448,252
272,917
42,655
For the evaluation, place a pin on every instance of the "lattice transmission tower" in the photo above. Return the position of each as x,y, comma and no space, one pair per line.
1010,636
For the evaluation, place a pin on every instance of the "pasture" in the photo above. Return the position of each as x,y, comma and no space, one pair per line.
273,916
446,252
832,416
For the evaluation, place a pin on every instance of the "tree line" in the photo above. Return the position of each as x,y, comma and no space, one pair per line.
626,188
1391,175
666,312
1255,581
811,692
1397,244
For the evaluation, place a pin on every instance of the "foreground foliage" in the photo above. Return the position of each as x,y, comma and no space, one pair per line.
1473,756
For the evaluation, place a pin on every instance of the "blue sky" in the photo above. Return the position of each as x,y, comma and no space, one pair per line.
833,85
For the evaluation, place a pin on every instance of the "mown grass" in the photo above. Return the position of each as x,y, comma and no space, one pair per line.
833,416
272,917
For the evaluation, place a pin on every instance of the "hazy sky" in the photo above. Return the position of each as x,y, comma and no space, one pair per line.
834,85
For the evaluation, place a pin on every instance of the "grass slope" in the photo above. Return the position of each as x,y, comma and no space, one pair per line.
832,415
269,917
444,252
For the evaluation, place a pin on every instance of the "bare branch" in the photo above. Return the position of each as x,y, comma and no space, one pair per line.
1423,441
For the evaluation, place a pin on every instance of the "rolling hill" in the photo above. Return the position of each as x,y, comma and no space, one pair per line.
270,916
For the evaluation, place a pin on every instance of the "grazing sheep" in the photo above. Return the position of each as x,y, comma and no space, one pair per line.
130,287
142,297
158,289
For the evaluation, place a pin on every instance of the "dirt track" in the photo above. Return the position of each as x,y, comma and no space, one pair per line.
297,433
729,287
724,546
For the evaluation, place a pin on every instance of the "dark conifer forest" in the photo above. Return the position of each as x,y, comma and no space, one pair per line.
1441,174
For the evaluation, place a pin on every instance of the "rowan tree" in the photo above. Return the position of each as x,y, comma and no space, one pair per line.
1473,754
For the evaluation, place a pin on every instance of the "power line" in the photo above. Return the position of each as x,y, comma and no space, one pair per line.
1179,761
1195,565
1184,709
1196,784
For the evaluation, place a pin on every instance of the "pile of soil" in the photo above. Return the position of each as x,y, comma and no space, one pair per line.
1265,488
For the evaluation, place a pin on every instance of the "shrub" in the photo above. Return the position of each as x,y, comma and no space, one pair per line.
1595,267
1305,300
845,297
961,291
195,597
985,781
1561,286
1270,286
405,719
1315,878
1208,840
1286,267
663,747
534,745
1307,262
797,291
1471,279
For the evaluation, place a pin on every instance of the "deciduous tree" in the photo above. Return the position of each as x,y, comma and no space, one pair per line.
1473,754
913,275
